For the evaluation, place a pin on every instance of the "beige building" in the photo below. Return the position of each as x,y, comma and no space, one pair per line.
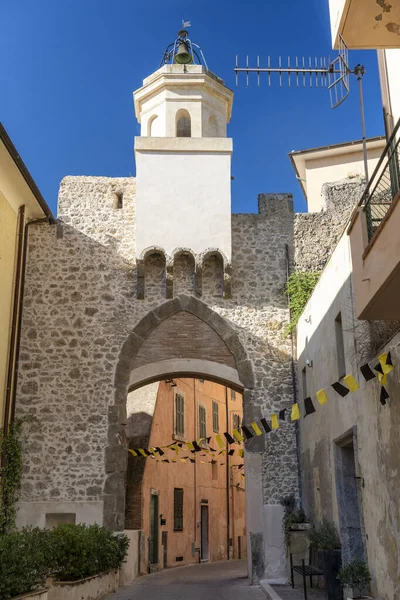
316,166
21,203
192,508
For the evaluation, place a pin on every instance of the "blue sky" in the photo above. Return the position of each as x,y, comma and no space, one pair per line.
69,67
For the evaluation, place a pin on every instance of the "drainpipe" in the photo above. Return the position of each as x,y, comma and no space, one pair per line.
14,320
294,384
194,471
20,307
228,525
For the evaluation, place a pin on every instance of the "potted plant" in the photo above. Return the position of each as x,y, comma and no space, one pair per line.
325,539
355,576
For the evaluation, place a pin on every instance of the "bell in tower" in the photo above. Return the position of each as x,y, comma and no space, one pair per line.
183,156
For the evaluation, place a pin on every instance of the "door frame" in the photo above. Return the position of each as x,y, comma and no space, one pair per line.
204,505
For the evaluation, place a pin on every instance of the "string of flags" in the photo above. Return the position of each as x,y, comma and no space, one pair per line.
265,426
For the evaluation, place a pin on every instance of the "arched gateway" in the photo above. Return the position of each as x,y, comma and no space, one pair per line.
110,305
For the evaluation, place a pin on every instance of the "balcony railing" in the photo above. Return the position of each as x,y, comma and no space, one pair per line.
384,185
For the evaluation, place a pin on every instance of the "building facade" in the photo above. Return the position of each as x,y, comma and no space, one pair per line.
190,504
20,204
118,296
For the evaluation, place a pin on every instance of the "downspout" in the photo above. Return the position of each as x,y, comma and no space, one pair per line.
14,320
294,384
20,308
194,472
228,525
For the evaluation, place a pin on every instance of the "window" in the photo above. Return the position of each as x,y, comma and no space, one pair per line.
202,422
183,124
304,382
215,416
118,200
340,346
237,421
214,470
233,395
179,415
178,509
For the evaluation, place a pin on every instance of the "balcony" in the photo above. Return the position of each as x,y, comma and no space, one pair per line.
375,239
365,23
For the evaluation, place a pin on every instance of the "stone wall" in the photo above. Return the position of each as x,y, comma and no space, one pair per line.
317,234
80,307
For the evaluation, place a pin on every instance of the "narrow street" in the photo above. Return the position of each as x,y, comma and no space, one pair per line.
219,580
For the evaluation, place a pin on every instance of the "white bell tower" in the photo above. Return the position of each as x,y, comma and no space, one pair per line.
183,162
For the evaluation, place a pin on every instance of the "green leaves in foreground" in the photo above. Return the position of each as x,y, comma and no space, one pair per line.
299,288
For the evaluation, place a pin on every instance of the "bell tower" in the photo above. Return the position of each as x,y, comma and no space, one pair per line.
183,157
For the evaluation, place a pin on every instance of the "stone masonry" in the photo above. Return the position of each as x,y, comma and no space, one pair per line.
82,321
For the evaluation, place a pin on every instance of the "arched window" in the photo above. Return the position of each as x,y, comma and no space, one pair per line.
183,124
151,126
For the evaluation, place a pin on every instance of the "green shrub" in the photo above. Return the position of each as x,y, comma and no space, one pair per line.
325,536
355,575
292,516
25,561
81,551
299,288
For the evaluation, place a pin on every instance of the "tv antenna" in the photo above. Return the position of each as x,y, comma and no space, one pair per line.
333,75
183,51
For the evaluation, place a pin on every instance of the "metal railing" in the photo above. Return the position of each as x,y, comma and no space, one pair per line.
384,185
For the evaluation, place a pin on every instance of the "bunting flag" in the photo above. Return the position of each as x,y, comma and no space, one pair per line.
229,438
266,426
382,368
322,397
340,389
238,436
220,441
351,383
309,406
256,428
247,433
367,372
295,415
384,396
274,422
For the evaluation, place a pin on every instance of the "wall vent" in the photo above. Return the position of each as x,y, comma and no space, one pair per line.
179,558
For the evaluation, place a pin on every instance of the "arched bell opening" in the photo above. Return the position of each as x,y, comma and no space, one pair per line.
183,123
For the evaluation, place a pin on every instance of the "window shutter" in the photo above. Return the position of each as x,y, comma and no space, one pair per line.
215,417
178,509
202,422
179,415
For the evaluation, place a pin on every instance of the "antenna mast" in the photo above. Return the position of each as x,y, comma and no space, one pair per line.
333,75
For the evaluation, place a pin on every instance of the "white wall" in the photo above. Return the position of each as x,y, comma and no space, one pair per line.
34,513
393,72
335,12
183,199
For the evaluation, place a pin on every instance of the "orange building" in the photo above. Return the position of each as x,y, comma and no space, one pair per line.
193,509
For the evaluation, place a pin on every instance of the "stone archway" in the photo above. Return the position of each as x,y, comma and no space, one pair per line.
211,348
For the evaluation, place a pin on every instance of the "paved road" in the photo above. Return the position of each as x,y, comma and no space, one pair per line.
225,580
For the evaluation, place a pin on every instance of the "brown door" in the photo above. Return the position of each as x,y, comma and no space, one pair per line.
164,541
204,533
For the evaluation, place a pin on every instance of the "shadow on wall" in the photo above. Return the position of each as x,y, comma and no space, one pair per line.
353,428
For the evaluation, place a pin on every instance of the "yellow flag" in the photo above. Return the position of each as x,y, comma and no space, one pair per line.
220,441
173,459
351,383
322,397
274,422
182,460
132,452
175,447
256,428
242,476
190,445
142,452
382,378
241,452
295,412
385,368
237,435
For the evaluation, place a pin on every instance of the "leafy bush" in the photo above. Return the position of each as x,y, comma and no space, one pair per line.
325,536
355,575
25,561
299,288
81,551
